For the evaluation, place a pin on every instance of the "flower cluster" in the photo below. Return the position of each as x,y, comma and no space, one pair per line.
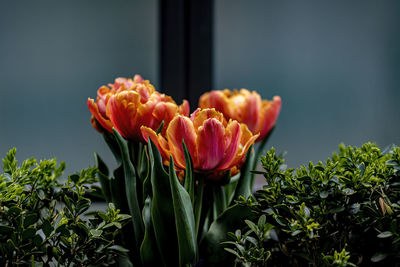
129,104
217,135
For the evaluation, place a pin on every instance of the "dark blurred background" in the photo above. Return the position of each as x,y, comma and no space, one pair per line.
336,65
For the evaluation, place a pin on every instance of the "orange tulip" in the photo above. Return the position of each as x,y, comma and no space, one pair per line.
129,104
214,144
246,107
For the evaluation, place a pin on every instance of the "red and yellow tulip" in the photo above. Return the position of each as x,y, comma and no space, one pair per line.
246,107
214,144
129,104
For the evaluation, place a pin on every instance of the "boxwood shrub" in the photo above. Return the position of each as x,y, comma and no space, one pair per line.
43,220
341,212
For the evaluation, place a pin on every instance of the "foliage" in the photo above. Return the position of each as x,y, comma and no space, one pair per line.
175,220
42,221
343,212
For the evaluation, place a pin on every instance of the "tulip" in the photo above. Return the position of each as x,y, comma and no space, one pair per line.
129,104
246,107
214,144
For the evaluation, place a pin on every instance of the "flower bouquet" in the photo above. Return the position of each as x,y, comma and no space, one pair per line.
179,175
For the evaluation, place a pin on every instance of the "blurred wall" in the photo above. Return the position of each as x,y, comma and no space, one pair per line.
336,65
56,54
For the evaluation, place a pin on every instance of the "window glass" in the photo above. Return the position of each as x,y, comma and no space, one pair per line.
334,63
56,54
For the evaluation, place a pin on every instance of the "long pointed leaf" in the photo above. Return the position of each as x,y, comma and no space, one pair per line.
113,145
219,201
198,204
231,187
131,189
162,209
148,250
103,177
244,186
189,179
184,219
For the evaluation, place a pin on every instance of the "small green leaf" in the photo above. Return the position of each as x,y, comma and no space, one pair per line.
30,219
68,203
119,249
323,194
28,233
37,240
377,257
47,228
348,191
385,234
96,233
74,178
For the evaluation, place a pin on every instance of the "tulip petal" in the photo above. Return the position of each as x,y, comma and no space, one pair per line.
249,111
247,139
200,115
105,123
181,128
219,101
270,115
159,141
184,109
122,109
232,142
210,144
164,111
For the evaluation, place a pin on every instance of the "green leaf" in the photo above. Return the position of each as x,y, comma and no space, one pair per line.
184,219
117,189
230,220
244,186
162,209
148,250
189,179
101,166
14,211
28,233
74,178
103,177
82,206
251,225
385,234
47,228
68,203
119,249
198,203
219,200
379,256
37,240
323,194
348,191
113,145
96,233
159,129
30,219
131,189
231,187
